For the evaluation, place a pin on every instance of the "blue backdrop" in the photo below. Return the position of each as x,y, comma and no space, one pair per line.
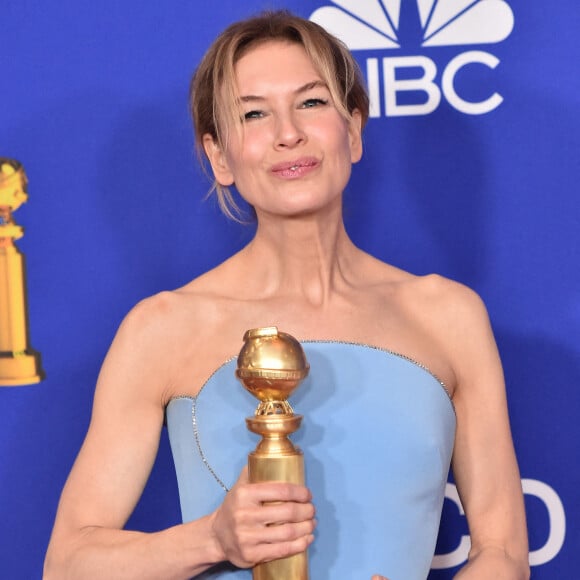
480,188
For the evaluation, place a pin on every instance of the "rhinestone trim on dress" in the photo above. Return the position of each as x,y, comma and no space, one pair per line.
198,443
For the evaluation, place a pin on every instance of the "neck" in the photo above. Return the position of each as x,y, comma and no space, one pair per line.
308,257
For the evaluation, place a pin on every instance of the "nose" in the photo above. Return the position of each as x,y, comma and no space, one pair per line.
289,133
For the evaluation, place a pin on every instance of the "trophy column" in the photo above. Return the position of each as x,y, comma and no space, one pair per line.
271,365
19,364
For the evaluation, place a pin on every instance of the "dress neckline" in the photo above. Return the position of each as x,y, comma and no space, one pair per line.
364,345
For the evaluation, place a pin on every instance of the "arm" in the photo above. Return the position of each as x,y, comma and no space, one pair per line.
114,463
484,462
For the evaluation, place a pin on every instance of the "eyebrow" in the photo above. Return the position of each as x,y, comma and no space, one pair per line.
303,89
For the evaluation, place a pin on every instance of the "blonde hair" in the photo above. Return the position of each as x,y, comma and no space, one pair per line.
213,92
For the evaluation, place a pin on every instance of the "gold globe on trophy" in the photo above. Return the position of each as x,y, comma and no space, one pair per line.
271,365
19,364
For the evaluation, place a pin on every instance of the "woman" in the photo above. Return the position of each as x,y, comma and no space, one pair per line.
408,363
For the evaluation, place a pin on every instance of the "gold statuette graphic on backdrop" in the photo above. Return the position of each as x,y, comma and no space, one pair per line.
19,364
271,365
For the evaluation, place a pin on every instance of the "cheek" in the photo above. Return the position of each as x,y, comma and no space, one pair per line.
338,142
246,152
333,133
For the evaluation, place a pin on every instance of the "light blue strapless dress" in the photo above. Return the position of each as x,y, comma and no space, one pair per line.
377,438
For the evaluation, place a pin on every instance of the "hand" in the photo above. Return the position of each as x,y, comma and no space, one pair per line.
249,529
379,577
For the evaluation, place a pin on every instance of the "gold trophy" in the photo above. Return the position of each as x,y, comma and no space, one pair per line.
271,365
19,364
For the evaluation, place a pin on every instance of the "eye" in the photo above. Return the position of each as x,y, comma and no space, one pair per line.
253,115
313,102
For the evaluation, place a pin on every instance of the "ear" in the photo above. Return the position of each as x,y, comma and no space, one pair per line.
218,161
355,135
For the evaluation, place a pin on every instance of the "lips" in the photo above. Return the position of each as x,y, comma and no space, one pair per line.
296,167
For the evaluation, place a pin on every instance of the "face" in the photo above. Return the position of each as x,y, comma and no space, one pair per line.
293,151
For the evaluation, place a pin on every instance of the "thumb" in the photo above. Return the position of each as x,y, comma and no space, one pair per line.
379,577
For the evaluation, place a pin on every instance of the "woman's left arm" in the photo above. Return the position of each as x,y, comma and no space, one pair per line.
484,462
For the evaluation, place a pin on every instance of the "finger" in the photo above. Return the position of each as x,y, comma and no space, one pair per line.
286,532
287,512
269,552
379,577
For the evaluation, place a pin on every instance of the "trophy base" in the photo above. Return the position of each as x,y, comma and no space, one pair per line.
20,369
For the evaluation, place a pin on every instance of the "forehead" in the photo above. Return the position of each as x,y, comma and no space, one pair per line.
274,64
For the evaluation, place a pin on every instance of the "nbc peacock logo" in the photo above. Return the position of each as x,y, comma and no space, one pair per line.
414,84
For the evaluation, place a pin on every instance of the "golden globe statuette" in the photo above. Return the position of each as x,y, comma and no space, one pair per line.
271,365
19,364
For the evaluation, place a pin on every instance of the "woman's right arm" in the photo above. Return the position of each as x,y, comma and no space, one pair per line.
241,535
114,463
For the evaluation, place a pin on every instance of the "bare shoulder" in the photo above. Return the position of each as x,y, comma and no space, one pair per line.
172,315
442,299
136,365
166,345
450,301
435,320
455,314
457,319
153,324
